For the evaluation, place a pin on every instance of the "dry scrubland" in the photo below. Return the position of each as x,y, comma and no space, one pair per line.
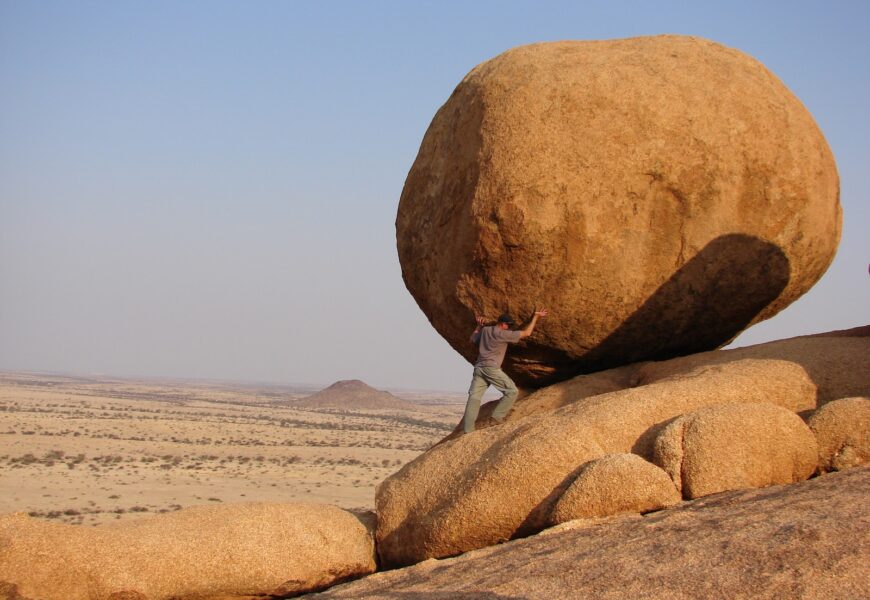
97,450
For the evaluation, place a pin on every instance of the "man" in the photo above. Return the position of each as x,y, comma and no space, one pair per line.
492,344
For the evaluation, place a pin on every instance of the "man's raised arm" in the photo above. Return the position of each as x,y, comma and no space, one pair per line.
475,337
528,329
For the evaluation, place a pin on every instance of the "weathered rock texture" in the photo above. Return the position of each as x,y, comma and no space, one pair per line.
502,482
735,446
808,540
614,484
233,551
842,429
479,490
658,194
812,370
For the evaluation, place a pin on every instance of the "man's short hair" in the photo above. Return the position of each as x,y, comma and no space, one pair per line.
506,318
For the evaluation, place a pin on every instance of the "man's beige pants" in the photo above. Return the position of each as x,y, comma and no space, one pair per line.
483,378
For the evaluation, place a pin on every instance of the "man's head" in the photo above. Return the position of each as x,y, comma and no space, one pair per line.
505,321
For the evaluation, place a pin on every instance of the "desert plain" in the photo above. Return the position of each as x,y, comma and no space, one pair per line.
91,450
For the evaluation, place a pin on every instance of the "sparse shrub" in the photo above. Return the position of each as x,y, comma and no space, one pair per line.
28,459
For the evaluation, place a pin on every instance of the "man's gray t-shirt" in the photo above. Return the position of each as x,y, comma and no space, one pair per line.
492,343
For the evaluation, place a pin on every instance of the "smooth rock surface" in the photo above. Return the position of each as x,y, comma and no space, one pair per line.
479,490
812,370
658,194
205,552
837,362
451,499
842,430
501,482
734,446
614,484
807,540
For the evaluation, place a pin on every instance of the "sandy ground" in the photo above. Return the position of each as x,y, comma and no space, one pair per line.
89,451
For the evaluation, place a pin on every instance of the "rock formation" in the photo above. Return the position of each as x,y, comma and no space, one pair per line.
614,484
658,194
502,482
351,394
811,370
842,429
807,540
734,446
234,551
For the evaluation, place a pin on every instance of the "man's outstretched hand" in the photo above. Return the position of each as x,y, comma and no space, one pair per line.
530,327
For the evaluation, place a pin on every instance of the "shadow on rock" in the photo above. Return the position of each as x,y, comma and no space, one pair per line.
704,305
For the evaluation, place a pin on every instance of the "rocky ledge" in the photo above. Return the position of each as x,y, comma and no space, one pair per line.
806,540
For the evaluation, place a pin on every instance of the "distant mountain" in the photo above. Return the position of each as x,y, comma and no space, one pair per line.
351,394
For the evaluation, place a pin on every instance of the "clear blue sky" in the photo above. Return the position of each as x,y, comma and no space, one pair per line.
208,189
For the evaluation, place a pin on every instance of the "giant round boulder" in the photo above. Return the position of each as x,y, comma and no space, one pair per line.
657,194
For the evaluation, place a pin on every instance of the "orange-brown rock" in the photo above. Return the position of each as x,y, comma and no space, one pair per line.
807,540
479,490
734,446
209,552
658,194
502,482
836,362
614,484
811,370
842,429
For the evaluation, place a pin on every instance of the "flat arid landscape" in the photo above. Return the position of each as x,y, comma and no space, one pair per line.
92,450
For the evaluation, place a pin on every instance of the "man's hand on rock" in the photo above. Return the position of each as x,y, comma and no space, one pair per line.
541,312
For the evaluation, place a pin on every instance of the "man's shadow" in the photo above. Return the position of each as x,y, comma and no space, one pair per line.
702,306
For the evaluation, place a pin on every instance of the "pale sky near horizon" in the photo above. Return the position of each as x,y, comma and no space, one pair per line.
209,189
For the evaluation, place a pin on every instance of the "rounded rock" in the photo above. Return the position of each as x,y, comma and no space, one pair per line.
256,549
735,446
842,429
614,484
658,194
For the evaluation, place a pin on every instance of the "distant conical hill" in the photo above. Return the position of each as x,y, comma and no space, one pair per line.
351,394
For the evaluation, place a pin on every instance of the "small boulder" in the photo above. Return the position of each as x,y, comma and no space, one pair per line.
614,484
229,551
842,429
734,446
